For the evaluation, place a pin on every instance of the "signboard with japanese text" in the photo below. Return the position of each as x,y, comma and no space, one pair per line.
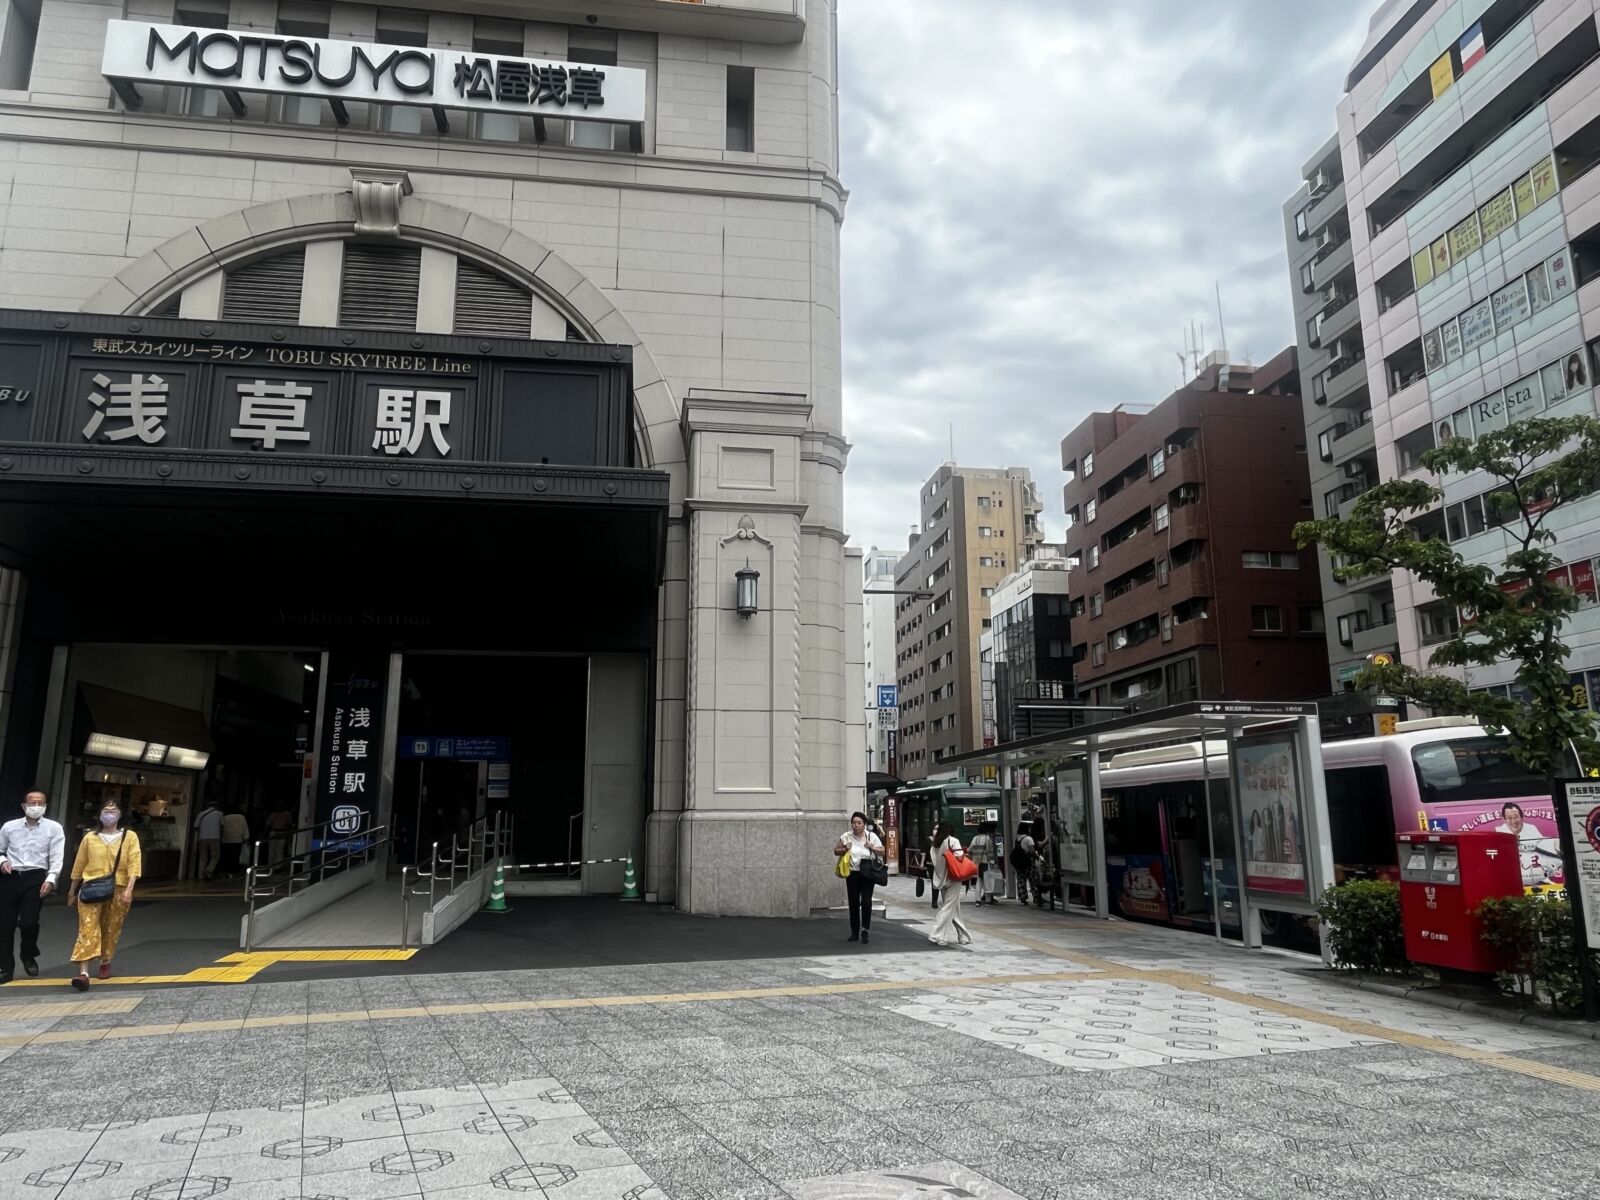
1271,816
243,61
184,386
349,762
472,749
1583,815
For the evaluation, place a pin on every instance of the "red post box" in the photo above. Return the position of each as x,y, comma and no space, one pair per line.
1443,879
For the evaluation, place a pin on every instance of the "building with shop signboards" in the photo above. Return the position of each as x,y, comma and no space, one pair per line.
410,414
1030,649
877,609
1183,517
1466,137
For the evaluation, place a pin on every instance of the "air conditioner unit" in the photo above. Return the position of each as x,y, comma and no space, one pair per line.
1320,182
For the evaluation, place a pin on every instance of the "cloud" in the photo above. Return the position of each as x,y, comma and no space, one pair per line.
1044,194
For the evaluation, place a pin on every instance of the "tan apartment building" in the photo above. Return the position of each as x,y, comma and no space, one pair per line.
979,524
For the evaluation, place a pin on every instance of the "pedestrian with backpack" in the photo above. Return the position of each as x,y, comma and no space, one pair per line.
1022,854
951,868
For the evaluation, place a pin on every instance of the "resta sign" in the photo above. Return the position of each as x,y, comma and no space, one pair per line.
233,61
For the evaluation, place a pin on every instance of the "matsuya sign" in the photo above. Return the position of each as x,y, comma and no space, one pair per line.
238,61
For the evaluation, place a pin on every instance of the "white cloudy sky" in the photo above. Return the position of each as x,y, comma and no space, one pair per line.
1043,195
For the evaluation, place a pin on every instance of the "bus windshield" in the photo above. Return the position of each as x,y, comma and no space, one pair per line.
1474,769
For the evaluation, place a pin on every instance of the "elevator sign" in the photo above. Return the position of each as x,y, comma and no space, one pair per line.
235,61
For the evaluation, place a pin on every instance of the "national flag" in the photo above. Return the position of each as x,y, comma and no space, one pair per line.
1472,48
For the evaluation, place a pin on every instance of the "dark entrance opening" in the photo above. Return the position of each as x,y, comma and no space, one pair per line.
481,734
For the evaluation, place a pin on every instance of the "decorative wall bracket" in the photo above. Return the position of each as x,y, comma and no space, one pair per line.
746,533
377,194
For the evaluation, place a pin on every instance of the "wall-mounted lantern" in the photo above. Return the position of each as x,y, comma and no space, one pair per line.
744,584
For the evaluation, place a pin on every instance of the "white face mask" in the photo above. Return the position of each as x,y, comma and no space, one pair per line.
34,811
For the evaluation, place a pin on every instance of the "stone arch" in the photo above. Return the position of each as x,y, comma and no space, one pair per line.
254,232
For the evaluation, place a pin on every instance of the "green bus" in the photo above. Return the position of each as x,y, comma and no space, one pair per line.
967,806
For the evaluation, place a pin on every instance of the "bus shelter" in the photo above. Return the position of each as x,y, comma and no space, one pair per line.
1274,778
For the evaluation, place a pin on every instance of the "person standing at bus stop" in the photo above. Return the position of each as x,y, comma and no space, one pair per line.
982,852
860,844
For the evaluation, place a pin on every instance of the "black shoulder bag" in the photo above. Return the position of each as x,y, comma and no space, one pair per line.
103,887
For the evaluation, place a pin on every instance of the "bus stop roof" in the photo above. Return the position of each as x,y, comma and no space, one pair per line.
1177,723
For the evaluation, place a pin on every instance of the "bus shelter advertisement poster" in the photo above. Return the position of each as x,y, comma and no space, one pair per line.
1583,810
1073,814
1271,817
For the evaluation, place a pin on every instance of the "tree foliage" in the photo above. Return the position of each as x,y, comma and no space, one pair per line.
1512,612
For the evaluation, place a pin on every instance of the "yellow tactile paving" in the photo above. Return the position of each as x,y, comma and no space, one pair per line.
1189,981
39,1009
239,967
398,1014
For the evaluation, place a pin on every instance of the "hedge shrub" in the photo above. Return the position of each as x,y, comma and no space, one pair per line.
1535,934
1361,924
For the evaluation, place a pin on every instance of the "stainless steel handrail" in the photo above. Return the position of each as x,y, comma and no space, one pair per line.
483,844
323,855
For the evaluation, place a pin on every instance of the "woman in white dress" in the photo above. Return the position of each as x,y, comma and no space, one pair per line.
950,890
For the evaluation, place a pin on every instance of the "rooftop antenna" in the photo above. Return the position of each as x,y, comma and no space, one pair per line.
1221,329
952,441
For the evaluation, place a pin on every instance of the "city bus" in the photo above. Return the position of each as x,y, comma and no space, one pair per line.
967,806
1443,773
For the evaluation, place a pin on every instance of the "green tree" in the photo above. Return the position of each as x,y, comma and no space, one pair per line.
1511,612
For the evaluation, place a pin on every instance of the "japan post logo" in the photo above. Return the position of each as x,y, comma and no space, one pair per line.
346,819
1433,896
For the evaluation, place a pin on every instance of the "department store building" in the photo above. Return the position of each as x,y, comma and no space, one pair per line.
429,413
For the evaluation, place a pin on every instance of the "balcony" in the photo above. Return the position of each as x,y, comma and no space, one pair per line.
770,21
1355,439
1339,315
1344,378
1374,638
1336,259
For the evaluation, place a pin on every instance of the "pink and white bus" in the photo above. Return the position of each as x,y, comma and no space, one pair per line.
1438,773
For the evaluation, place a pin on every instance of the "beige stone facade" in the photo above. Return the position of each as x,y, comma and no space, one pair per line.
718,267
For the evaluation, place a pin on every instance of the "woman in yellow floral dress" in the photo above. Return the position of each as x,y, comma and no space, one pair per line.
109,850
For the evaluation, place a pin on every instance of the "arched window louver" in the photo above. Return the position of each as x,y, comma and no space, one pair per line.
265,290
489,303
379,286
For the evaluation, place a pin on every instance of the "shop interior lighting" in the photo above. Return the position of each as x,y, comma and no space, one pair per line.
106,745
187,760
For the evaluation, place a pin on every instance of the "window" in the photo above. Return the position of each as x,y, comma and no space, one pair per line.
1090,511
985,561
1312,619
1088,465
21,34
983,503
1183,681
1097,604
1094,557
1097,654
1347,629
1412,446
303,19
1162,516
1308,279
1277,560
988,531
402,27
1163,572
741,109
1325,445
1538,281
986,591
1158,463
1266,618
207,14
1301,229
1436,622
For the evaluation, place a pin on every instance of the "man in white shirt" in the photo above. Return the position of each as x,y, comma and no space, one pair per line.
31,850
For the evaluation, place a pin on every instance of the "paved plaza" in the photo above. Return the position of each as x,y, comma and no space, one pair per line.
1056,1057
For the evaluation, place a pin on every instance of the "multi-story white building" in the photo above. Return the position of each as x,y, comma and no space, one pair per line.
877,611
1466,137
359,332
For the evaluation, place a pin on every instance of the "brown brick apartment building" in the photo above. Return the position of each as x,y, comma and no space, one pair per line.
1182,517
